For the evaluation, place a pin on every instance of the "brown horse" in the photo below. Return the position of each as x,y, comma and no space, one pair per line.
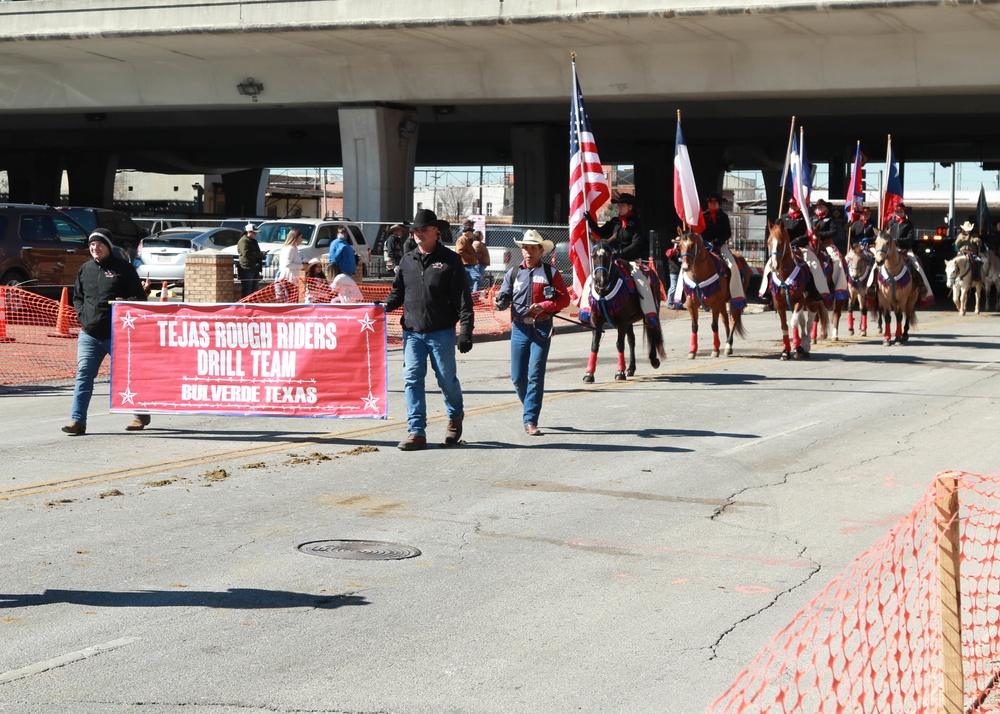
897,290
791,288
705,277
859,267
614,302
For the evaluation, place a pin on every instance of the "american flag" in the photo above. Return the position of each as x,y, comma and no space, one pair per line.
588,187
856,191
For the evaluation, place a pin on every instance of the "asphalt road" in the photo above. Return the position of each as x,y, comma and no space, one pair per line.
634,559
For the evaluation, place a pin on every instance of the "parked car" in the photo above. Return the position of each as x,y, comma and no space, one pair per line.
125,233
40,248
214,238
317,235
161,257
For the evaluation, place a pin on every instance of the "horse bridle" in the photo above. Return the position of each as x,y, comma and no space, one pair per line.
697,250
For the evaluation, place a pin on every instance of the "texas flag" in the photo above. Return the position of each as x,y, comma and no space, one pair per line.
799,178
856,191
893,195
686,201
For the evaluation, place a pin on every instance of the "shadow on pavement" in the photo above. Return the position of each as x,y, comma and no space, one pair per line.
233,599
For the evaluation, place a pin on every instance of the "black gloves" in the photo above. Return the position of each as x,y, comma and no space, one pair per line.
464,343
502,301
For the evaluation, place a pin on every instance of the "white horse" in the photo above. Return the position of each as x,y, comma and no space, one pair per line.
958,274
991,277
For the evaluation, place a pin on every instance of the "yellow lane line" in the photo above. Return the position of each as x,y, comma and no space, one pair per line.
701,364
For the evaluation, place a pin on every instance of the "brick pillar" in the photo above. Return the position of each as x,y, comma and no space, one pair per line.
210,277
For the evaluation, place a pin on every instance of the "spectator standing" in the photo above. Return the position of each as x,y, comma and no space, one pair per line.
343,254
674,270
251,260
483,253
432,288
392,251
534,292
99,282
286,289
317,288
342,286
470,260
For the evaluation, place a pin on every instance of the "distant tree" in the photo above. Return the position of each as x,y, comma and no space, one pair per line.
455,202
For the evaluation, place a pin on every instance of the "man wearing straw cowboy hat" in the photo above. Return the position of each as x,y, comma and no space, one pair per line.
624,236
434,292
534,292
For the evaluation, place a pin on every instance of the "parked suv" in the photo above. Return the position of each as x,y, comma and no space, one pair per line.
317,235
125,233
40,246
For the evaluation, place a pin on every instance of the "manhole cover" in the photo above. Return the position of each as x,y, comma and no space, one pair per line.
358,549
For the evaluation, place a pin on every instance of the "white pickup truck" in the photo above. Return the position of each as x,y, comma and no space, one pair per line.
317,235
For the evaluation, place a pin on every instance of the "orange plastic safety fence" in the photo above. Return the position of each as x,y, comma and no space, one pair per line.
871,640
488,321
37,338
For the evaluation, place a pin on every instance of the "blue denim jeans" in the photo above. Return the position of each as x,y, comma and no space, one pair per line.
90,353
475,276
439,346
529,351
672,289
249,281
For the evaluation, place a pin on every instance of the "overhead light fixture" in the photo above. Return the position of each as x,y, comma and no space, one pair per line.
95,116
250,88
443,109
407,128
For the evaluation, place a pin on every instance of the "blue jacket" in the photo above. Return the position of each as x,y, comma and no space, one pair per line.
342,254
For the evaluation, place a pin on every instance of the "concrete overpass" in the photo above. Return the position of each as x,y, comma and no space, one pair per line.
378,86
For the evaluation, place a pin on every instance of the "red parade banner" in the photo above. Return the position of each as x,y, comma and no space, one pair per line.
250,359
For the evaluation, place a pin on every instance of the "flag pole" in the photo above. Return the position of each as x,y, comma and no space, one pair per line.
687,226
885,183
579,134
784,172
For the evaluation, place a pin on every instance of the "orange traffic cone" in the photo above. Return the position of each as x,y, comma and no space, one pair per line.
164,293
3,316
62,319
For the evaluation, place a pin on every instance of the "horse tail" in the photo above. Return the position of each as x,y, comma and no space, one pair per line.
738,328
654,338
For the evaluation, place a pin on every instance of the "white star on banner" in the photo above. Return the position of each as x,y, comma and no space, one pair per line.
127,396
371,402
128,320
367,323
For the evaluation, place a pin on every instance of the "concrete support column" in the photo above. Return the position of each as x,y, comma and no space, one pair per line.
772,188
379,147
246,192
709,166
541,173
92,179
654,192
838,180
34,177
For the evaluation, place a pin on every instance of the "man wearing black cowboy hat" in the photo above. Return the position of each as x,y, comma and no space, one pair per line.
625,237
432,288
901,229
718,231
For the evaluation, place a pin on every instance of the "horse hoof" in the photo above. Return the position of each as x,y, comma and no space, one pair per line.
620,376
653,362
886,343
631,372
801,353
729,351
850,331
785,356
588,378
715,353
905,339
692,355
864,333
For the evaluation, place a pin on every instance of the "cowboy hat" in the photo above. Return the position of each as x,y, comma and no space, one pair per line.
624,198
426,217
533,237
967,226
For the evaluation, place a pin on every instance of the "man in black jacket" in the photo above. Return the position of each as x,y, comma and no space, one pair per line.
100,281
431,286
718,231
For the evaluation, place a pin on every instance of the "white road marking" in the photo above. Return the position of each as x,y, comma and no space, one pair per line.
65,659
758,442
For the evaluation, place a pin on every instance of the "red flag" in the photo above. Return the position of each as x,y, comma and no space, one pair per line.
685,191
588,187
